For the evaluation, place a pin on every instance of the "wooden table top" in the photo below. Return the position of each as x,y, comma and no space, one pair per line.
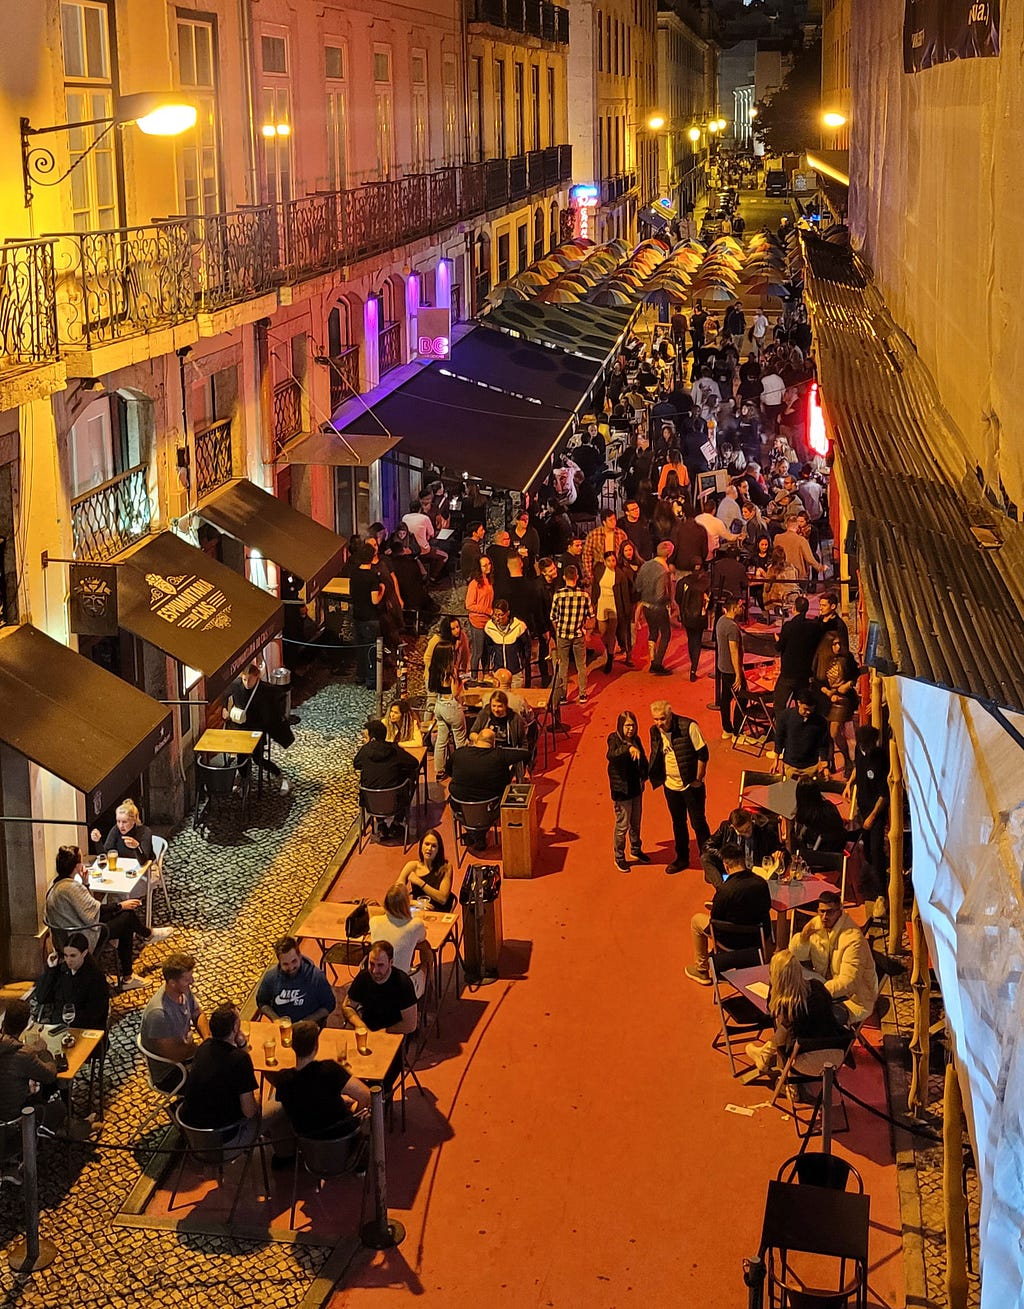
86,1041
370,1067
227,740
794,895
326,922
537,697
338,586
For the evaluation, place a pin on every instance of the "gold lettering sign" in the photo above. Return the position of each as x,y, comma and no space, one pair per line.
189,602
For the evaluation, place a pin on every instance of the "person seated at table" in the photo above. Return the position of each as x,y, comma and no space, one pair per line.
744,900
129,838
71,907
429,876
394,921
508,728
758,838
801,1009
402,725
502,679
28,1071
315,1099
222,1091
817,822
170,1018
381,996
383,765
838,952
255,706
294,987
802,738
72,977
481,771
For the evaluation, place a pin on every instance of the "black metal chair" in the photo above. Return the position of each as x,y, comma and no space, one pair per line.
814,1168
216,783
738,1016
323,1159
393,804
474,816
206,1146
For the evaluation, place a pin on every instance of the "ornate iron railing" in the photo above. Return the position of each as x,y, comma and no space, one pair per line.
111,517
456,304
213,456
389,349
119,283
310,233
234,257
535,17
287,412
344,376
28,313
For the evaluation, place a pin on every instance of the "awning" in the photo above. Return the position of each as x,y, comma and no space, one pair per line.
194,608
76,720
503,440
277,531
521,368
335,451
588,330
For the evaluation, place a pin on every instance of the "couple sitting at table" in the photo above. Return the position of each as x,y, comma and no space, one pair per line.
71,907
28,1076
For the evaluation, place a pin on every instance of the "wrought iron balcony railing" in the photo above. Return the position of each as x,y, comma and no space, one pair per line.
118,283
28,312
534,17
234,256
614,187
389,349
287,412
112,516
344,376
213,456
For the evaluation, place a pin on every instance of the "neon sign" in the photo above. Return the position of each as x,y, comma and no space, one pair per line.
816,434
582,198
434,333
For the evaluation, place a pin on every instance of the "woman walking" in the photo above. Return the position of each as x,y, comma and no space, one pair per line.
627,776
479,606
449,717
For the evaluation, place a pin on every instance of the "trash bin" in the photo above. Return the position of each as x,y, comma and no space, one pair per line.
519,829
480,897
281,680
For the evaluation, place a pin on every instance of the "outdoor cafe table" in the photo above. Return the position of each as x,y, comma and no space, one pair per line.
122,881
537,697
231,740
788,897
334,1041
87,1040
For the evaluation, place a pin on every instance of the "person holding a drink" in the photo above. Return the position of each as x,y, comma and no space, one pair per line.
222,1090
129,838
294,988
73,981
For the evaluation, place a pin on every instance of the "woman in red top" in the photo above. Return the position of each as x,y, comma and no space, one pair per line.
479,604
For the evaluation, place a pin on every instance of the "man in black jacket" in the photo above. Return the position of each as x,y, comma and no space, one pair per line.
757,840
870,779
798,644
678,762
383,765
260,708
627,774
743,900
481,771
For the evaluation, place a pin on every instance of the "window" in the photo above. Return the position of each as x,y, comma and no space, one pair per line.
198,163
534,107
553,233
275,54
476,115
276,118
552,110
420,112
600,42
336,118
450,110
499,109
522,247
383,112
105,440
88,94
503,257
538,235
614,67
517,107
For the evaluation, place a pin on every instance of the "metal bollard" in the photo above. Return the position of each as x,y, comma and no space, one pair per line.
31,1253
379,671
753,1279
380,1233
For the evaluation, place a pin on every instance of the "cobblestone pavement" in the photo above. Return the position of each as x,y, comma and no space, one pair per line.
232,894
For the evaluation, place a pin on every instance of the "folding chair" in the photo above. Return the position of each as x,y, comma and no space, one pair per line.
805,1065
738,1016
758,721
825,861
474,816
394,803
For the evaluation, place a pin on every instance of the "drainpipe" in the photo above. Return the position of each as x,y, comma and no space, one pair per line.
251,175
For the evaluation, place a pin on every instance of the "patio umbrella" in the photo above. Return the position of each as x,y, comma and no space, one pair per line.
604,296
506,295
713,292
549,267
659,297
558,295
530,277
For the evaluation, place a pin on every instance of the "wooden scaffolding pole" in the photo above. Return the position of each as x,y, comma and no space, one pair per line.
920,1041
954,1199
896,917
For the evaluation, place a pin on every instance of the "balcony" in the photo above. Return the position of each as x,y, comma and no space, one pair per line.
108,519
537,18
287,404
213,456
28,314
344,376
389,347
612,188
234,256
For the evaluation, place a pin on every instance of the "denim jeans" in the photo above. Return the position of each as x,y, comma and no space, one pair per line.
658,632
451,722
627,819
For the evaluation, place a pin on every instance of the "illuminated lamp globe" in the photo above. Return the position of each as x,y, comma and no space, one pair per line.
156,115
655,122
694,134
834,120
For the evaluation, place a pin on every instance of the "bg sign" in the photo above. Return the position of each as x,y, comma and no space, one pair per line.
434,334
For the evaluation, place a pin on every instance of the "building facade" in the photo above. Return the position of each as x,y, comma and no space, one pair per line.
687,94
180,312
835,69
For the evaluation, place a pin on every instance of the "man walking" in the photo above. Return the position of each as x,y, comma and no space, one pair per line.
654,591
731,677
678,762
572,617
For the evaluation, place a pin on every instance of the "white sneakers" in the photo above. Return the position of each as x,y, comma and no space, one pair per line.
763,1056
161,933
131,984
285,786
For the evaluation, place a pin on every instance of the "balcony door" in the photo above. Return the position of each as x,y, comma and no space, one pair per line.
198,155
88,94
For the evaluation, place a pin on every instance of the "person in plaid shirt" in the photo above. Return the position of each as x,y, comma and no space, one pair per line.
572,617
601,541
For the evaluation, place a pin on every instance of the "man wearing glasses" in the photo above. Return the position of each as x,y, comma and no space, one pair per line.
836,949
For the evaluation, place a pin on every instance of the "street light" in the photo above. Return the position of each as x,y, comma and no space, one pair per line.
153,113
834,120
656,122
694,134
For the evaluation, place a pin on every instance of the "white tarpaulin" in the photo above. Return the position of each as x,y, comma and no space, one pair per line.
965,782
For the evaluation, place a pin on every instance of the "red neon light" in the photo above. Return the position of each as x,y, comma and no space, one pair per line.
816,435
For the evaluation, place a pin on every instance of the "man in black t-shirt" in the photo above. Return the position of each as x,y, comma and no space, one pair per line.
366,593
743,899
314,1097
871,780
381,995
221,1087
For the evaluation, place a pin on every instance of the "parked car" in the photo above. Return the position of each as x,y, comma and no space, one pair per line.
776,183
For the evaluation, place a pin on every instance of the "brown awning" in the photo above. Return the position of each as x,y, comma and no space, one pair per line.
279,532
76,720
195,609
353,450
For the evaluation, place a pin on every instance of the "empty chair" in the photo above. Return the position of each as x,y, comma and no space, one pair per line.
339,1157
474,816
157,872
392,805
216,783
813,1168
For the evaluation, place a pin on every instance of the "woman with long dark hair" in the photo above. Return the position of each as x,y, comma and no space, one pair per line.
835,678
627,776
429,876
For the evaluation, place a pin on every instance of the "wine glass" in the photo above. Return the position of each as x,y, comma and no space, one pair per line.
68,1013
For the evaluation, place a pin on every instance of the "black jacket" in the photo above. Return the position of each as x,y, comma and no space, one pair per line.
626,775
687,757
798,644
762,842
87,990
746,900
382,765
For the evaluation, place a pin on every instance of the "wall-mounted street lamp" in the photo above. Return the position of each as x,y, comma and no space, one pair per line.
152,113
834,120
694,134
656,122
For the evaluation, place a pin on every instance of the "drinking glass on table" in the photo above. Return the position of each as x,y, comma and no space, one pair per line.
68,1014
284,1026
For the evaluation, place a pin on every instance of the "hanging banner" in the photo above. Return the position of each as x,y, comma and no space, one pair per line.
939,31
92,599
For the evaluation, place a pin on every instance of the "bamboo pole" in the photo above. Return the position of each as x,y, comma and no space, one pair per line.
876,700
896,918
920,1041
954,1199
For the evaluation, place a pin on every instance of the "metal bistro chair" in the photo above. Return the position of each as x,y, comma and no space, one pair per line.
394,804
157,874
217,781
814,1168
806,1064
738,1016
338,1157
206,1146
474,816
167,1095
